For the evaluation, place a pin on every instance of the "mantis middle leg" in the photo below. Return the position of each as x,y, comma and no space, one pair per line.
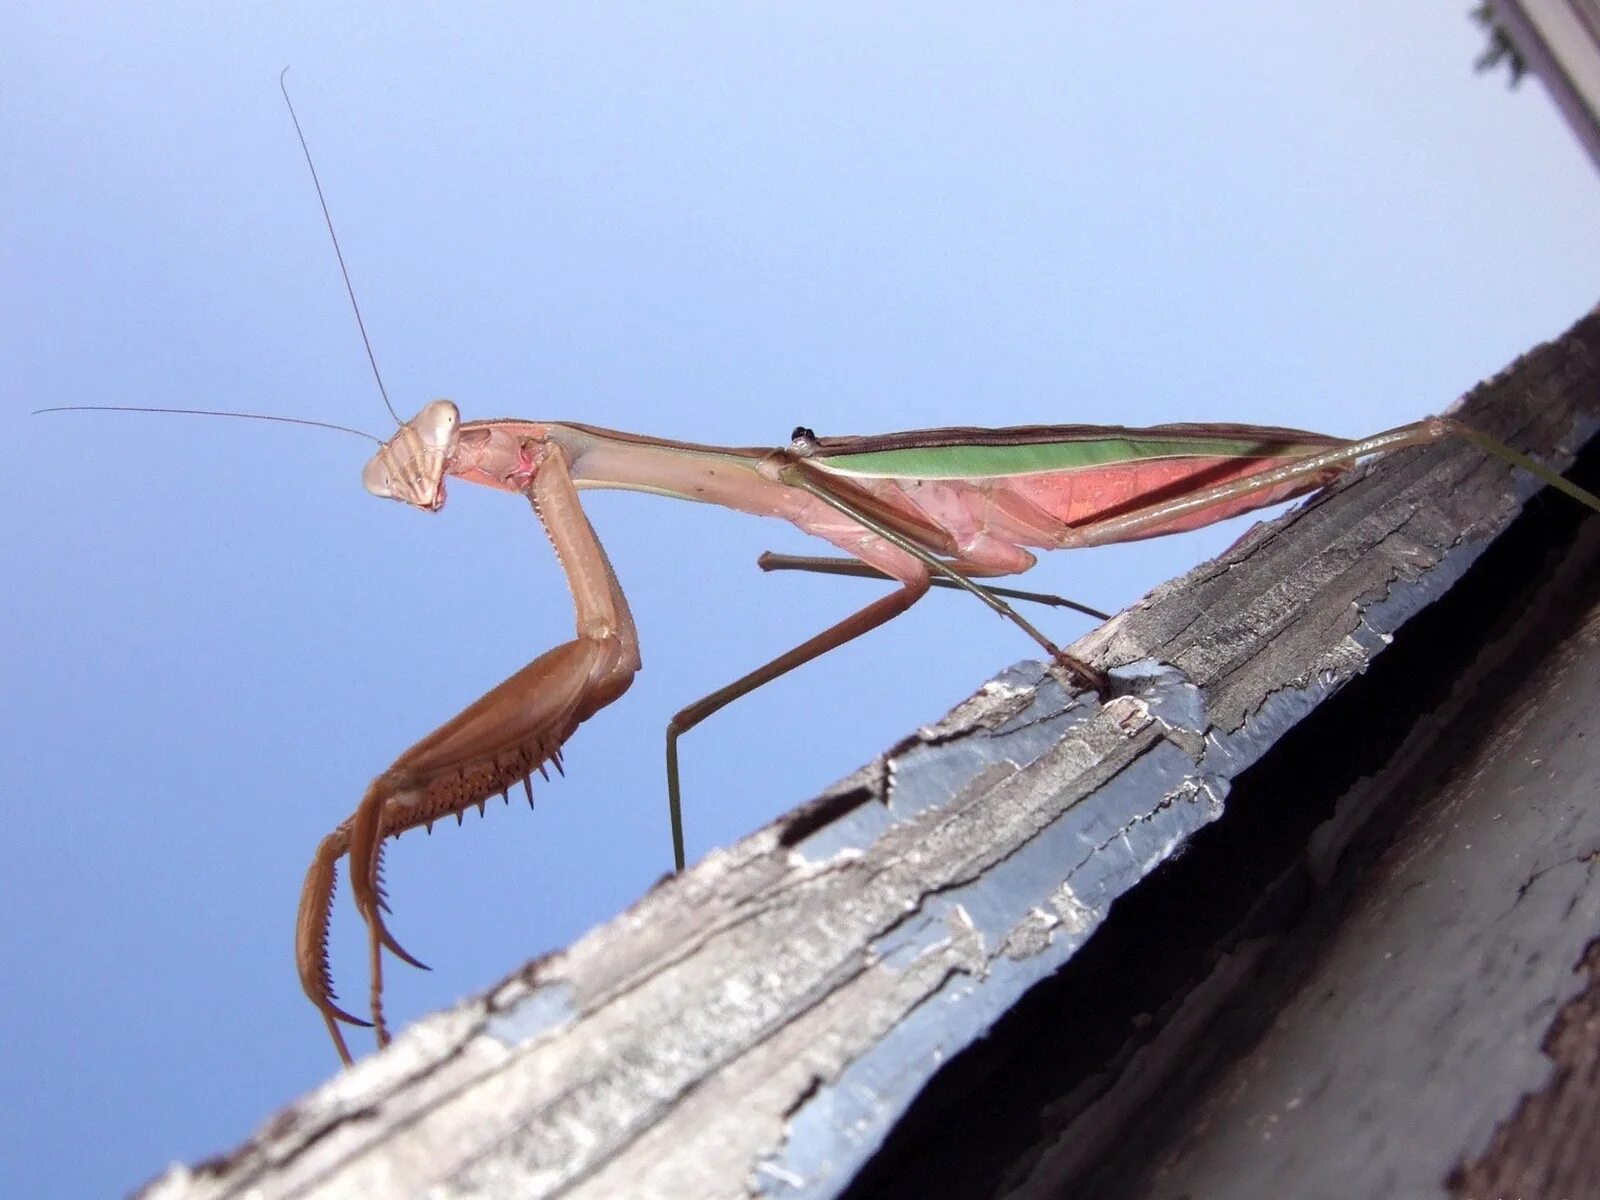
880,611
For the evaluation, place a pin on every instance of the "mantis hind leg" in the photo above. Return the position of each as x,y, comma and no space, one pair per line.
1431,429
879,612
855,568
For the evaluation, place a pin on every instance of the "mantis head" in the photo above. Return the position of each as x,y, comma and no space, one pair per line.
411,465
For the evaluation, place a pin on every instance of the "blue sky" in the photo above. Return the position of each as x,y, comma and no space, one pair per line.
710,222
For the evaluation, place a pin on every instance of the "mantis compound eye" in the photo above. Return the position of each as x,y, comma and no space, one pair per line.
375,477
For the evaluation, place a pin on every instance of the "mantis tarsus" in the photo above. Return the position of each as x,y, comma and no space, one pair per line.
944,506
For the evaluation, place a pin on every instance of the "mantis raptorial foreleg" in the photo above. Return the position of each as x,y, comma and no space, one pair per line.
492,744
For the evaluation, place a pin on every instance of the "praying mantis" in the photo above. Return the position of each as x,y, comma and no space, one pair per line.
940,506
943,507
956,505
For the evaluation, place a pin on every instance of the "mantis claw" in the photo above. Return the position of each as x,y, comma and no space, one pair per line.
330,1009
381,931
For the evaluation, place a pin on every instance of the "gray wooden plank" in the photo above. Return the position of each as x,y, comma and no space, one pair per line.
759,1024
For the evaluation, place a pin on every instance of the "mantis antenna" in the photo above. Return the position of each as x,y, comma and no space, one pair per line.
338,253
207,412
360,324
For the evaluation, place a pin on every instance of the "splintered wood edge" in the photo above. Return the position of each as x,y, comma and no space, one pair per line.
757,1024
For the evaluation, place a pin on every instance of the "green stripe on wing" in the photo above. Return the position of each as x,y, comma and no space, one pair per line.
976,461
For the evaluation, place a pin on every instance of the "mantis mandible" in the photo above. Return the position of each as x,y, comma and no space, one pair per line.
945,507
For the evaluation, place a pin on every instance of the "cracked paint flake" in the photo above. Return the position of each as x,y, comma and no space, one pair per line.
540,1011
935,771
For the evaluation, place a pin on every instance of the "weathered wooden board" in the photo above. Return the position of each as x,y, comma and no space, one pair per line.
763,1024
